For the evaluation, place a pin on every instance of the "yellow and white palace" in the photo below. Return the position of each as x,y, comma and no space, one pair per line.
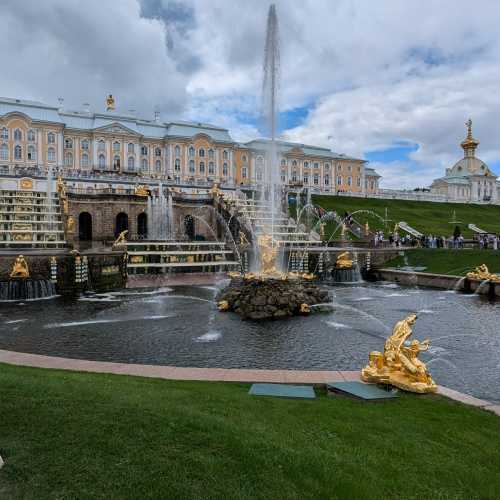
92,148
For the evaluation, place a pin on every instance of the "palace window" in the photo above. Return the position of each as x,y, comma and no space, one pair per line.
130,148
177,179
116,162
157,151
349,168
18,135
358,182
4,133
306,179
349,181
224,170
31,153
31,135
339,181
102,161
101,146
158,166
51,154
316,164
259,174
283,162
294,163
68,159
68,143
85,160
339,167
202,167
51,138
144,150
211,154
306,164
327,166
191,167
177,165
327,180
294,176
144,165
283,178
244,172
225,154
211,168
116,146
244,158
85,144
372,184
201,153
177,150
131,162
18,153
4,152
191,152
316,179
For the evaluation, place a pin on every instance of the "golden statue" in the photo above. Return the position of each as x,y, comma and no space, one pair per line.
305,309
223,305
141,190
399,364
20,268
121,240
268,254
243,239
70,224
343,261
234,274
215,191
367,229
61,188
110,103
482,273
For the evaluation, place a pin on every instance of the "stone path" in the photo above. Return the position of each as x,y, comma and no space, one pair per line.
316,377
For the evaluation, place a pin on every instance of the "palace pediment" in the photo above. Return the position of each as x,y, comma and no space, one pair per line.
116,128
296,151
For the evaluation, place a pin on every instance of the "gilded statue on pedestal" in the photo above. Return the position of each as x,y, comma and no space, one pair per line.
399,364
482,273
343,261
20,268
70,225
121,240
268,254
140,190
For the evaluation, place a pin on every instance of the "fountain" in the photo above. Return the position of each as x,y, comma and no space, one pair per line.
160,215
345,270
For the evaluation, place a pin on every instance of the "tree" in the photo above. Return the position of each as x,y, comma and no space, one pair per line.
456,232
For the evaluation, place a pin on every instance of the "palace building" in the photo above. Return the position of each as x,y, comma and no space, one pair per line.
91,148
470,179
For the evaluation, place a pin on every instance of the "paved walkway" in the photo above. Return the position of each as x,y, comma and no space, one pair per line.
316,377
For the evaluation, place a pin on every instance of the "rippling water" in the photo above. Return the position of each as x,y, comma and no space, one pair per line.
181,326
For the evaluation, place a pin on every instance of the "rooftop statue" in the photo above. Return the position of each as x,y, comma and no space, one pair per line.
140,190
483,273
399,364
343,261
20,268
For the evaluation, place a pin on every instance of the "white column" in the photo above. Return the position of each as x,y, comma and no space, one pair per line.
94,142
39,155
170,160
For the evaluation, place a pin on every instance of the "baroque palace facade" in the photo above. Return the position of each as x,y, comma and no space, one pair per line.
93,149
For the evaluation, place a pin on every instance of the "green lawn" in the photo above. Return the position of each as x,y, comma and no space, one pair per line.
426,217
442,261
74,435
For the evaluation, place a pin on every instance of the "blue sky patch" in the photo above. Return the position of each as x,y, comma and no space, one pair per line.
396,153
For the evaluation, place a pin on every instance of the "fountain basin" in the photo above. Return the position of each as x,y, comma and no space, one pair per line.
271,298
26,289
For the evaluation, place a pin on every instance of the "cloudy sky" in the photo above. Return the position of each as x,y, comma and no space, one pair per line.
391,81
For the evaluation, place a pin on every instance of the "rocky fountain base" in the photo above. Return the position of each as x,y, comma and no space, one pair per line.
270,298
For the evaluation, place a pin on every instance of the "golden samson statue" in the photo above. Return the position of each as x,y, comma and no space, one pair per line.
483,273
20,268
399,364
343,261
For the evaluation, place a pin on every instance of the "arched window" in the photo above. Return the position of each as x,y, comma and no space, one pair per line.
131,162
191,152
259,174
177,165
191,166
177,150
157,151
51,138
18,153
85,160
294,176
327,180
144,165
130,148
202,167
4,133
101,145
142,225
85,226
68,159
31,153
358,181
327,166
201,153
225,154
339,181
116,162
158,166
244,173
189,227
18,135
51,154
306,164
259,161
121,223
349,181
211,154
211,168
339,167
116,146
85,144
316,164
306,179
224,170
31,135
144,150
294,163
316,179
68,143
244,158
4,152
102,161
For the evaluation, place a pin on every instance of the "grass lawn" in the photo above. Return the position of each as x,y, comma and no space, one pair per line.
75,435
442,261
426,217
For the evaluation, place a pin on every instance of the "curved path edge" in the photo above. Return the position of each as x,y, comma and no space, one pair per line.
316,377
